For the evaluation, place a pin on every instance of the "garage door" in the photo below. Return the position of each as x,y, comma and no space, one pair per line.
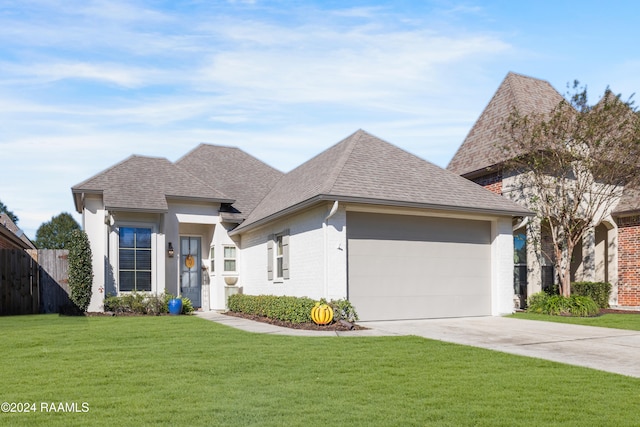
409,267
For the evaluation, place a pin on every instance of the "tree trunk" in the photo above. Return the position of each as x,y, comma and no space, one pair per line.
563,265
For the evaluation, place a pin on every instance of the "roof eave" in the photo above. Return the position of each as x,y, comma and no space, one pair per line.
381,202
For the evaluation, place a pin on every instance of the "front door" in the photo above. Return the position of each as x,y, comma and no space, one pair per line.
190,271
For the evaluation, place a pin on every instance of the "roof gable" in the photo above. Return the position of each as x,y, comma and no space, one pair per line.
145,183
481,147
367,169
233,172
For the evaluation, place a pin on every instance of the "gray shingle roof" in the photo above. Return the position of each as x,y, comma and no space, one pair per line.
12,232
481,147
629,202
145,183
233,172
367,169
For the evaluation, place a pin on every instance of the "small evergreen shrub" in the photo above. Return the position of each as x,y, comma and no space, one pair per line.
187,305
285,308
288,309
557,305
598,291
142,303
343,310
80,270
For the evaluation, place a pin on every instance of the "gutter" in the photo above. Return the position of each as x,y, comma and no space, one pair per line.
325,225
378,202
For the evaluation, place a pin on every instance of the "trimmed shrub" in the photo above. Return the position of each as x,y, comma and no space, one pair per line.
598,291
288,309
285,308
557,305
80,270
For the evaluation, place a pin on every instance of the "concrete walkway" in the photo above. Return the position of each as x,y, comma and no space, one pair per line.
611,350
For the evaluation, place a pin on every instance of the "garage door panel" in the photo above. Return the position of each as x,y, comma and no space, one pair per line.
441,269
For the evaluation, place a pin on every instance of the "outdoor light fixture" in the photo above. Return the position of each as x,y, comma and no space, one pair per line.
170,250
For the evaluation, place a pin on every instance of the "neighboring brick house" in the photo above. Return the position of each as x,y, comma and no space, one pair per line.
398,236
609,252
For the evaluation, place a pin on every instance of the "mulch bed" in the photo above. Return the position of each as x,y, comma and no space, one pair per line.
337,326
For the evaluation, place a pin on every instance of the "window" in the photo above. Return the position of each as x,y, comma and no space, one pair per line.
135,259
212,259
229,258
278,256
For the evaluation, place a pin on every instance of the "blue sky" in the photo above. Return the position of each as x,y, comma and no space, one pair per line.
85,84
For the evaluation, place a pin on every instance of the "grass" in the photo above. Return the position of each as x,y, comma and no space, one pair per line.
189,371
610,320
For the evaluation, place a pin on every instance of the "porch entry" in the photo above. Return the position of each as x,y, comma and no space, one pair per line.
190,270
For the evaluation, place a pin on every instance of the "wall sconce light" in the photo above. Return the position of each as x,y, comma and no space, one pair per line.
170,250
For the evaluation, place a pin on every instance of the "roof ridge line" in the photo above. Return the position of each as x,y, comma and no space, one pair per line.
339,167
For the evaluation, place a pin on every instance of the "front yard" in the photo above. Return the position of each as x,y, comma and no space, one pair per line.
189,371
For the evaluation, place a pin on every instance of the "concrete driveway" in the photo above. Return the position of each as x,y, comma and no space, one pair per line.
611,350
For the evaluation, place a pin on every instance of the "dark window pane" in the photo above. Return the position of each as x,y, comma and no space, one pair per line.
280,270
143,260
143,238
229,265
143,281
127,259
126,237
126,281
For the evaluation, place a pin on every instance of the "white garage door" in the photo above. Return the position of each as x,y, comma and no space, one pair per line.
409,267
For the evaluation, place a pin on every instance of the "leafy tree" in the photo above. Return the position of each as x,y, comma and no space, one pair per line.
56,234
4,209
80,269
571,165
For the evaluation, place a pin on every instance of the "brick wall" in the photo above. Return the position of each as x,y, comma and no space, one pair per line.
492,182
629,261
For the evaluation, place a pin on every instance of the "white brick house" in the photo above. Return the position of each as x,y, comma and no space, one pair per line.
398,236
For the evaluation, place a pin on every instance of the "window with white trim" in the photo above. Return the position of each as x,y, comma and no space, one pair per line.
229,258
212,258
134,259
278,256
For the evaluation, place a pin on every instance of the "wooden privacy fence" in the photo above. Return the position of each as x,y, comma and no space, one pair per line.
19,283
34,281
54,279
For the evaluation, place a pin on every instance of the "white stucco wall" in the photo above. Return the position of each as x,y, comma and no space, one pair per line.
310,243
502,266
93,223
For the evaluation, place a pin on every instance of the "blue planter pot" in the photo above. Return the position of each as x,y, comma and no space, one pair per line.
175,306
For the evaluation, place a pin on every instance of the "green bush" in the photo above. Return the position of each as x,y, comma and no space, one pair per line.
80,270
142,303
187,305
558,305
598,291
343,310
285,308
288,309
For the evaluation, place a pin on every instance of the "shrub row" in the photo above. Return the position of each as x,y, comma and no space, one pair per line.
557,305
142,303
286,308
598,291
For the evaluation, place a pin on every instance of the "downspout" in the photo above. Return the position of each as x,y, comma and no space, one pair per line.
521,224
325,231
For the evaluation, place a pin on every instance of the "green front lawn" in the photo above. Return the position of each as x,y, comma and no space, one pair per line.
189,371
611,320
